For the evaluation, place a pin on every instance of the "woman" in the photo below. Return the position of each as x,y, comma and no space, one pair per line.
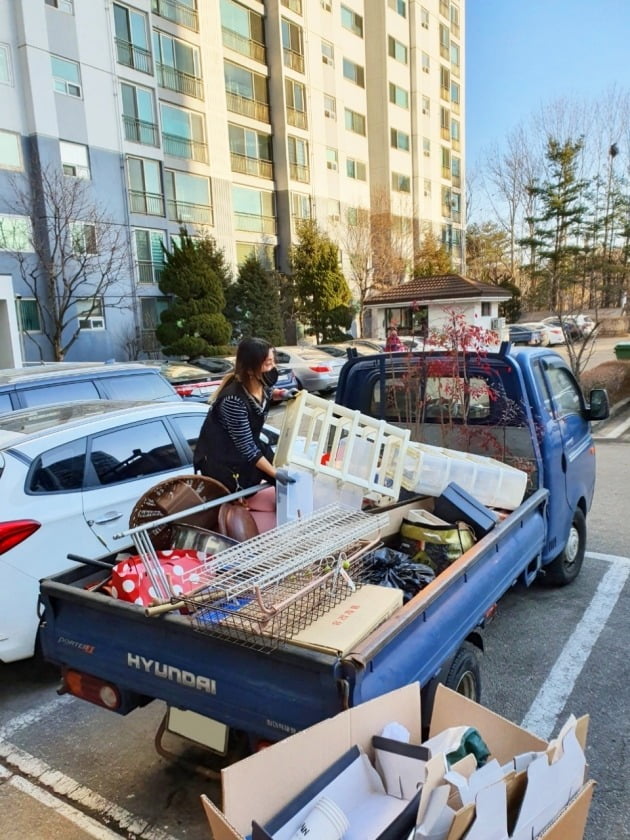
393,343
229,448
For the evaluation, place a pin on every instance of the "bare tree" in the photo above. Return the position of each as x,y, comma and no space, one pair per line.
357,243
79,254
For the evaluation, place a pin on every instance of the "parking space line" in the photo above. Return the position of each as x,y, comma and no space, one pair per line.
32,770
555,691
32,716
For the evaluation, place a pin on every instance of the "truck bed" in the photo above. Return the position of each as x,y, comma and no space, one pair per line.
275,694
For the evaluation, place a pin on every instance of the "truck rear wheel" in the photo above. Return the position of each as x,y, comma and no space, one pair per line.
566,566
464,675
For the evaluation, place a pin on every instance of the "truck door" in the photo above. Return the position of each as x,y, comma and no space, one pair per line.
568,446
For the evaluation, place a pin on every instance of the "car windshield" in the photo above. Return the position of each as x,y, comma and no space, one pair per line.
46,417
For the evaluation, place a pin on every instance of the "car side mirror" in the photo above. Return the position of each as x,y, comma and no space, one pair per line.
599,406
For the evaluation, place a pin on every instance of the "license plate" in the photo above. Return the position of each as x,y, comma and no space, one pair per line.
199,728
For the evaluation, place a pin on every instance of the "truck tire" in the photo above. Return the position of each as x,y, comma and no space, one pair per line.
566,566
464,675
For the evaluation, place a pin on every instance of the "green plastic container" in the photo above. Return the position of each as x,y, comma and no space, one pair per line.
622,350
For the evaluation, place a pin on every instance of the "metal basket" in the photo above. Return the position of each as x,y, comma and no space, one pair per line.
262,592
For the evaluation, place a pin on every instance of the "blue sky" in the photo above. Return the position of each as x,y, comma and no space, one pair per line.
525,53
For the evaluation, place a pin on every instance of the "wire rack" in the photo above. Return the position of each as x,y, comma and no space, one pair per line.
262,592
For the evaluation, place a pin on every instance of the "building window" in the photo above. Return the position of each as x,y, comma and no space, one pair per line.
332,159
183,12
398,96
254,210
455,134
455,93
445,123
151,309
66,76
10,150
426,106
334,210
28,317
298,159
178,65
445,82
132,39
353,72
352,21
265,254
149,254
445,40
183,133
399,6
83,239
456,206
354,122
455,20
486,309
188,198
139,118
455,57
426,63
427,188
6,76
62,5
326,5
250,151
15,233
399,139
246,91
356,169
90,314
456,171
74,159
328,53
145,186
446,162
397,50
292,46
301,206
242,30
426,147
424,18
295,94
400,182
330,107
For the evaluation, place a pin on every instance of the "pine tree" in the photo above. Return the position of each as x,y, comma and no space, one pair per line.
431,258
323,294
194,277
253,302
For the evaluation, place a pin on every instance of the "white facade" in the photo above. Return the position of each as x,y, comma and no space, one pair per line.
233,118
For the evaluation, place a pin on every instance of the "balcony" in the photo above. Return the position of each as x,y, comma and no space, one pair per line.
294,5
445,132
133,56
251,166
457,181
296,118
299,173
293,60
177,12
182,147
245,46
150,204
173,79
253,223
247,107
140,131
185,211
149,272
446,173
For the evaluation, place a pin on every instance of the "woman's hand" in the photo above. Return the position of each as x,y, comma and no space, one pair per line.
283,477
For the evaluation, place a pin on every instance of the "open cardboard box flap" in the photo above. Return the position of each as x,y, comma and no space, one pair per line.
260,785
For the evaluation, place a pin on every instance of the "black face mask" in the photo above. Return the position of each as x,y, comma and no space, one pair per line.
270,377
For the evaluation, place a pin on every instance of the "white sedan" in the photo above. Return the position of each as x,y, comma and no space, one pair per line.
315,370
550,334
70,476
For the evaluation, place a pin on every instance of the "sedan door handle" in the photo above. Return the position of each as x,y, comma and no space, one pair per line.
110,516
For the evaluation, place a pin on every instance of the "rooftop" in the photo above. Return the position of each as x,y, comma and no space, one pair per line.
438,287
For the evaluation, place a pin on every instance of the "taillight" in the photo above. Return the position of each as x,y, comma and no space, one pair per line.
92,689
321,369
13,533
184,390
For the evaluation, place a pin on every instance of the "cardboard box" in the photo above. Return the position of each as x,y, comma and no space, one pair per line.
260,786
342,628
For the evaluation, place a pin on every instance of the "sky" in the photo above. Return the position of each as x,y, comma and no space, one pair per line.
521,54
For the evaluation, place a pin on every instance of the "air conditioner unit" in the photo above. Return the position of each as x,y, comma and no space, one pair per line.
497,323
330,114
331,165
328,60
425,111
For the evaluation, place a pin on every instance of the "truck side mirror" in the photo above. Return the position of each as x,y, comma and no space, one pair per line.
599,406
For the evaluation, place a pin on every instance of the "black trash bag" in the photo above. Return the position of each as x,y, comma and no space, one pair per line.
388,567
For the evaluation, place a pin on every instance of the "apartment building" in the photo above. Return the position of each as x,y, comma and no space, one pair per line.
233,118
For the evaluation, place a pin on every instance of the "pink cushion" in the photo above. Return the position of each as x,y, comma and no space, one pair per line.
265,500
265,520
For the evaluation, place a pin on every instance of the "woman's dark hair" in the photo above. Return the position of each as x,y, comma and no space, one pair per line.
250,355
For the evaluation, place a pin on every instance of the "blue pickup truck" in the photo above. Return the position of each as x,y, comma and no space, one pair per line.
520,405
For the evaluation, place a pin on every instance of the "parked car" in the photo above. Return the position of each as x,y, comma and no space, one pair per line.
56,382
586,324
340,351
521,334
314,370
571,330
221,365
550,334
69,477
191,382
